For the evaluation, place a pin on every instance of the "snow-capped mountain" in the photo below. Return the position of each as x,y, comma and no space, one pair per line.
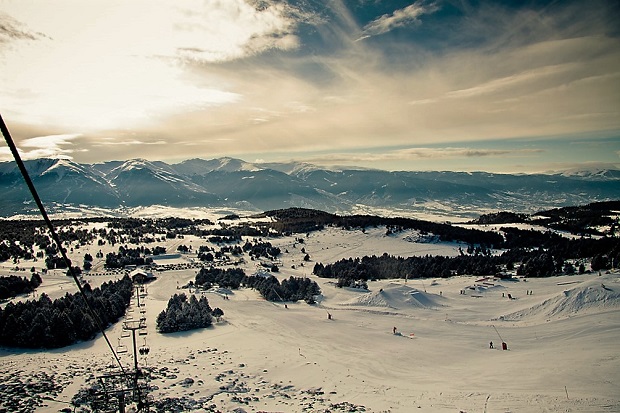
201,167
139,182
597,174
57,181
232,183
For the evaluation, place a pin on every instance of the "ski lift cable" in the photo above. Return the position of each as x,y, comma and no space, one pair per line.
37,199
500,337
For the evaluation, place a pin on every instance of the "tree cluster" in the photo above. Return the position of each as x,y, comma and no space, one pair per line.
269,287
225,278
183,314
13,285
131,256
55,261
44,323
261,249
292,289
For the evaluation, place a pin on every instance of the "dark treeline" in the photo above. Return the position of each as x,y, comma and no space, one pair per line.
522,242
298,220
13,285
584,219
183,314
544,261
44,323
350,271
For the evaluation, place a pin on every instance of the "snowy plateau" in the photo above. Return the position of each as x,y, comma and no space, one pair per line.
434,344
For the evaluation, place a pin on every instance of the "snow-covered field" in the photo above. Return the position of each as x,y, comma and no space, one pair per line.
562,341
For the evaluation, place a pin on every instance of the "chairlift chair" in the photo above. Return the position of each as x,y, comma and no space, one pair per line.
121,348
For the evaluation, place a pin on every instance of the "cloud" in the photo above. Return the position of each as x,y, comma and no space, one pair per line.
412,154
11,30
518,80
52,146
399,18
449,153
232,29
128,142
121,64
266,79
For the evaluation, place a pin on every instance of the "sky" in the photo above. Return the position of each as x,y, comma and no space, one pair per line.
467,85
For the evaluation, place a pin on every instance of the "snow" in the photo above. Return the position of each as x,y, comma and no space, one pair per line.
396,296
562,339
587,297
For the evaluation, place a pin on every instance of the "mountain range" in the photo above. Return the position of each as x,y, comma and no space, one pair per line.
115,186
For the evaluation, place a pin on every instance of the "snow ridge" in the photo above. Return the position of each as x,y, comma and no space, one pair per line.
591,297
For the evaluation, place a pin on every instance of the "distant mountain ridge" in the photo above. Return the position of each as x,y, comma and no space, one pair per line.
234,183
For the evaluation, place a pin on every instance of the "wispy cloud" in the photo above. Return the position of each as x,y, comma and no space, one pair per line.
11,30
513,81
449,153
399,18
53,146
128,142
411,154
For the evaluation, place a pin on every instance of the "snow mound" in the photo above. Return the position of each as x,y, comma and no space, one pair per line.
396,296
590,297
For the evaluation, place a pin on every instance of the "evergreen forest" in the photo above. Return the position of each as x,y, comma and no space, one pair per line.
44,323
